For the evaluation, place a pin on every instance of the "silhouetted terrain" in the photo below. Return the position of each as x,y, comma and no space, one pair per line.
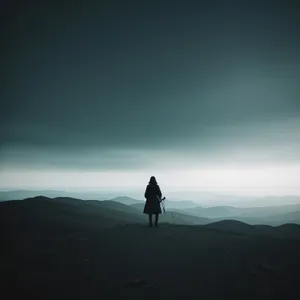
126,200
283,231
207,198
229,211
180,206
178,199
270,215
86,195
66,248
188,211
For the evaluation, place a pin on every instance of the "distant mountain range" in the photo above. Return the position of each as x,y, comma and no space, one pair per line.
126,210
126,200
181,212
91,213
270,215
88,195
23,194
178,200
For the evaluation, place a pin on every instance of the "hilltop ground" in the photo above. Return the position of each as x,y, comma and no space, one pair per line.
49,258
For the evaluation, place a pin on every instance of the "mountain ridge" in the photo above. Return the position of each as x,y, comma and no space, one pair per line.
63,211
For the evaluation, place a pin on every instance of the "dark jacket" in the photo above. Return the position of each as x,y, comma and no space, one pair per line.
153,195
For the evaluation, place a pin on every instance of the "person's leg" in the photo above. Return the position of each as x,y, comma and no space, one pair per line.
150,219
156,219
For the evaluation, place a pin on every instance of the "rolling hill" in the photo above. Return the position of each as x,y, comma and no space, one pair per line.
286,231
126,200
65,210
272,220
68,212
70,248
273,215
110,210
179,206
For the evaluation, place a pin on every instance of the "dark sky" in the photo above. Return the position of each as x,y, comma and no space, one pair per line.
103,85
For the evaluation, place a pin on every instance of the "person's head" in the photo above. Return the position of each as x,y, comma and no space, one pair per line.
152,180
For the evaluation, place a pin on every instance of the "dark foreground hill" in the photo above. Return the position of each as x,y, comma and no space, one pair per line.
288,231
51,249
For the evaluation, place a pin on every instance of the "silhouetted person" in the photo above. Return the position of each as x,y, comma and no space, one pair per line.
153,197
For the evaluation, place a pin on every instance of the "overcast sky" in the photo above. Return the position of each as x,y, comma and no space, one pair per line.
108,93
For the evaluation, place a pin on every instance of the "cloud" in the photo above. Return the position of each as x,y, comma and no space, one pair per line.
175,92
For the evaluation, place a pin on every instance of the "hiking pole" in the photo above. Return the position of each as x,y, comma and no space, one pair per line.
162,203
